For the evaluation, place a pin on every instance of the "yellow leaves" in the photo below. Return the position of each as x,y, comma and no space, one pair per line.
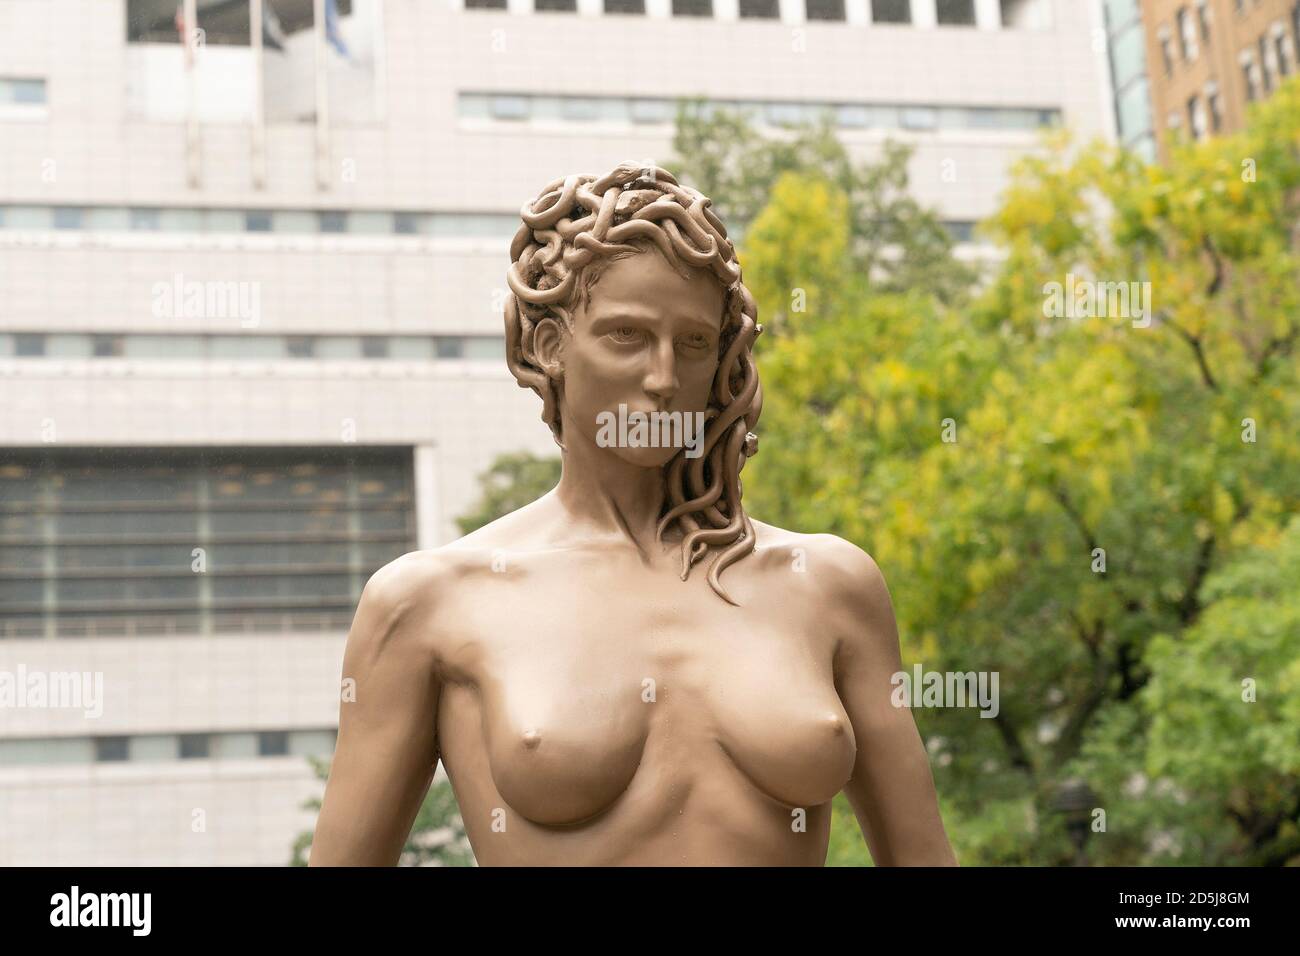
1222,506
1099,482
980,574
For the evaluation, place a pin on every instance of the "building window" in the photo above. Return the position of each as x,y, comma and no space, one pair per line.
104,542
760,10
1167,51
1282,52
692,8
555,6
1214,106
272,743
1196,117
509,107
21,91
1203,16
955,13
1187,34
68,217
107,346
374,347
257,221
891,11
111,749
333,221
1250,75
29,344
625,6
301,346
195,746
825,9
145,220
1266,66
485,4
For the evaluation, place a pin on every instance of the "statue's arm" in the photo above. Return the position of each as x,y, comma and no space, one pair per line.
891,790
387,748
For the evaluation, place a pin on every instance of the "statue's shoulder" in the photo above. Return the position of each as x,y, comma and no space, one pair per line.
835,568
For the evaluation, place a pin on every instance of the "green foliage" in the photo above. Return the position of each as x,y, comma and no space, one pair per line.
893,241
513,480
1072,435
437,836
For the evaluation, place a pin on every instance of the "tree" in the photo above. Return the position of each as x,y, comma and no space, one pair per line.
437,836
894,241
513,480
1063,499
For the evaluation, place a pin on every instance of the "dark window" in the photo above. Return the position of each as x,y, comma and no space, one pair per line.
195,746
447,347
825,9
107,346
1265,74
556,6
957,13
257,221
891,11
406,223
485,4
109,749
625,6
760,10
374,346
301,346
333,221
28,344
223,22
119,542
692,8
272,743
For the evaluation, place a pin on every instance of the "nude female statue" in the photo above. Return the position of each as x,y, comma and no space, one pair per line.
593,701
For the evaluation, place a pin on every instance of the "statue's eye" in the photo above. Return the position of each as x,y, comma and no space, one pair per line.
695,342
625,334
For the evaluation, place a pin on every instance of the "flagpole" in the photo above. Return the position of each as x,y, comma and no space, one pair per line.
190,41
255,14
322,97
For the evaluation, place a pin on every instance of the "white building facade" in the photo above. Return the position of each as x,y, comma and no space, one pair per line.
250,330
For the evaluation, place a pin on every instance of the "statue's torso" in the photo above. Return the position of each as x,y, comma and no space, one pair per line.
594,710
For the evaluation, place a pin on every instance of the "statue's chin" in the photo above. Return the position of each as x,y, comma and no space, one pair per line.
645,457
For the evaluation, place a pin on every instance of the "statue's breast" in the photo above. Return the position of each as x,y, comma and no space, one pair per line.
562,747
568,730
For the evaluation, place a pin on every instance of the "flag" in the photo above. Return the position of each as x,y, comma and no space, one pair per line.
332,28
272,31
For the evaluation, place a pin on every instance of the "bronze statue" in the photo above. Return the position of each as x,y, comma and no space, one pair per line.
593,701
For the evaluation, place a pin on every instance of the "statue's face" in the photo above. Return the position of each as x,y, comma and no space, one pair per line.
647,339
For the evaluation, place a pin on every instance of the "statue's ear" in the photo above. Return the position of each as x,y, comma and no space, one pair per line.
548,348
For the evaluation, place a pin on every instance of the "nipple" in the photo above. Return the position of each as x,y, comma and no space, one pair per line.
532,739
